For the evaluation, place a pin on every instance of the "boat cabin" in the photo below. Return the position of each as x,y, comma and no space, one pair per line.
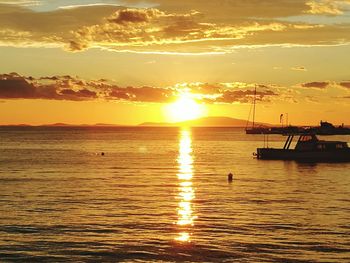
309,142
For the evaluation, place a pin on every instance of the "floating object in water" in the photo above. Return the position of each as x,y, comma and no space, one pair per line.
102,153
230,177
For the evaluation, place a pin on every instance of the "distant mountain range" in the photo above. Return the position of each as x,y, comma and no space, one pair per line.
201,122
213,121
64,125
207,122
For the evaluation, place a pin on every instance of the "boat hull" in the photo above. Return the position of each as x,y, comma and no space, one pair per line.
340,155
257,131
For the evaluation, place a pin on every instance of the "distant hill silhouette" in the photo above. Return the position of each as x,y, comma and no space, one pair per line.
59,124
207,122
81,125
201,122
157,124
64,125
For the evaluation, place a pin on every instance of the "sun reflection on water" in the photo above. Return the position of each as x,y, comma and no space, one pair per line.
186,192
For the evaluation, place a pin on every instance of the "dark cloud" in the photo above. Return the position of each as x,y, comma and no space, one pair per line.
79,94
345,84
12,87
150,94
76,45
243,96
316,84
119,94
15,86
142,94
133,16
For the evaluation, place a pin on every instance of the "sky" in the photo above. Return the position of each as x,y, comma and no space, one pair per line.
125,62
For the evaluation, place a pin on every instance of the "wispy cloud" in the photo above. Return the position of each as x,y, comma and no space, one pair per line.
345,85
21,2
328,7
316,84
168,28
299,68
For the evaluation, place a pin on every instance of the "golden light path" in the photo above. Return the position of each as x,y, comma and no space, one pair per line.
186,192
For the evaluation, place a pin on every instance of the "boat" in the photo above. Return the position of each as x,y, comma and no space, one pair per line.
308,149
327,128
254,129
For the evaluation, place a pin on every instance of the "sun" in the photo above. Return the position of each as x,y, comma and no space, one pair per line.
184,108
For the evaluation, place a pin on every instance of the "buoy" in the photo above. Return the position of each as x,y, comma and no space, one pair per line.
230,177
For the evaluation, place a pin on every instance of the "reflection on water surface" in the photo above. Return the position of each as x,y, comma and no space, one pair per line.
186,192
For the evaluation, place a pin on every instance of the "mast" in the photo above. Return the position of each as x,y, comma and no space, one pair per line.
254,101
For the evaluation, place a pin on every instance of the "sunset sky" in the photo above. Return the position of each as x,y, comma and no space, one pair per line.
124,62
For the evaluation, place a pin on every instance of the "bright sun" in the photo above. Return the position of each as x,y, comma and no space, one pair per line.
184,108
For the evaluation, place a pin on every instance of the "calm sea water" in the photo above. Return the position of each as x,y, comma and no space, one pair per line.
161,194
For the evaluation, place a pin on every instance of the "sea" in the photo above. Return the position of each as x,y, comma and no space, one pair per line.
143,194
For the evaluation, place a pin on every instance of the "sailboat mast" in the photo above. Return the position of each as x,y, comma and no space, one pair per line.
254,101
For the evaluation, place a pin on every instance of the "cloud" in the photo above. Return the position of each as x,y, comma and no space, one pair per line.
316,84
83,93
152,28
311,99
142,94
328,7
15,86
235,92
204,27
326,84
243,96
134,16
20,2
71,88
151,62
299,68
345,84
232,9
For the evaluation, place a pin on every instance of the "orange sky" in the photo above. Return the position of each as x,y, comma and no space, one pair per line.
123,62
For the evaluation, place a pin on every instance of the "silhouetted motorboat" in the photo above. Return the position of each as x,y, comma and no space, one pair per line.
327,128
309,149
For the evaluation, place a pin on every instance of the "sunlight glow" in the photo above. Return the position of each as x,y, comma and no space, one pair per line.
184,108
183,237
